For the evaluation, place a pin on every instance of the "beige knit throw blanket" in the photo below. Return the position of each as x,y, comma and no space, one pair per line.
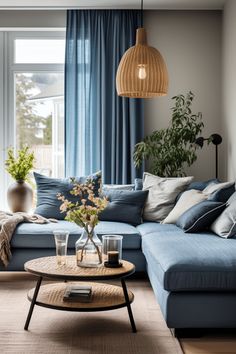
8,224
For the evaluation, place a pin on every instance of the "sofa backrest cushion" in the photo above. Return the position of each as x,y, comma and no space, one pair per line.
48,188
117,187
124,206
138,184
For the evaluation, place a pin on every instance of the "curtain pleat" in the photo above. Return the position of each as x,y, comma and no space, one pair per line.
101,128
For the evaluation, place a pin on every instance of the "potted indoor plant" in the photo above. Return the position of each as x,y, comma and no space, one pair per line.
170,150
84,213
20,193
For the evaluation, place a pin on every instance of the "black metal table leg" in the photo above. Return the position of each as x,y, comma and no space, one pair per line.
33,303
131,318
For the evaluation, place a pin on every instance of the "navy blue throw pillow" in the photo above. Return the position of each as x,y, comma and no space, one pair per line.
48,188
200,185
200,216
124,206
222,195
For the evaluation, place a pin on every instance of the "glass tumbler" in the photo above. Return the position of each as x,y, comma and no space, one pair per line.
61,240
112,249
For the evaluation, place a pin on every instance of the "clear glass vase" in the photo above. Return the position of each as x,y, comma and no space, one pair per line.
88,250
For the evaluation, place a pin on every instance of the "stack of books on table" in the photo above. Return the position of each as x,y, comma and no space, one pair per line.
78,293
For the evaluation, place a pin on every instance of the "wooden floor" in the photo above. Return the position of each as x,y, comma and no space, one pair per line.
211,342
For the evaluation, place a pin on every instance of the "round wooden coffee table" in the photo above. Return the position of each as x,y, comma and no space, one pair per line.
104,296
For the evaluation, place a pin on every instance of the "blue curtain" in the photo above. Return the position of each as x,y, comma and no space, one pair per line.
101,128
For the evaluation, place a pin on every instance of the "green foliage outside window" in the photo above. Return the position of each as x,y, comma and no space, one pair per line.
28,123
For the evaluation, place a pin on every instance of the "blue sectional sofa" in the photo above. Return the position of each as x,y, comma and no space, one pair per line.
193,275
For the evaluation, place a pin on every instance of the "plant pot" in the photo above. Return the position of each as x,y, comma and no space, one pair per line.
20,197
88,250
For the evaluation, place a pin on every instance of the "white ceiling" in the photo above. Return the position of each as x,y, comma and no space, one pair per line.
113,4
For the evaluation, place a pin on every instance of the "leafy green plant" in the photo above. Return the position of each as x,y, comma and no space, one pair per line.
171,150
19,166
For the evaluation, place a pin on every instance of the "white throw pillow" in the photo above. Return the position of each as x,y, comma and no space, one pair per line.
162,194
185,202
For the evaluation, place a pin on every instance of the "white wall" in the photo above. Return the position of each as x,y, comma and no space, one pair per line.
190,42
229,87
28,18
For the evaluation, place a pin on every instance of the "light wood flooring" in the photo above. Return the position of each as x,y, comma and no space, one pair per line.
211,342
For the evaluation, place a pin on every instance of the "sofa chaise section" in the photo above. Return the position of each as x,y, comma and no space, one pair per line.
193,276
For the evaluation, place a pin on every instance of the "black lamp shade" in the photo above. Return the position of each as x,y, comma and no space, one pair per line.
216,139
199,141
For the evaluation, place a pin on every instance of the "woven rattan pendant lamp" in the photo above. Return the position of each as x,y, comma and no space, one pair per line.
142,72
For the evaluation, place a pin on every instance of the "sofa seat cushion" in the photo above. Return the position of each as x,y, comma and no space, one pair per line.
41,236
150,227
191,262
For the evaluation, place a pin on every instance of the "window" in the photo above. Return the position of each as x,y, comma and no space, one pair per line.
39,98
39,119
33,97
36,51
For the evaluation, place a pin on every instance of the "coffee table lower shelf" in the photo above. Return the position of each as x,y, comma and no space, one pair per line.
104,297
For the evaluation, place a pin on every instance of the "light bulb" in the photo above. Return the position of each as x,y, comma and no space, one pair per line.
142,74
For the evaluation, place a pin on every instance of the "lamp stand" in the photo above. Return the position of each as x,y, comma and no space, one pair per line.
216,161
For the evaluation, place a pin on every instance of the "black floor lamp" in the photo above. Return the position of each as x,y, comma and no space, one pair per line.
215,139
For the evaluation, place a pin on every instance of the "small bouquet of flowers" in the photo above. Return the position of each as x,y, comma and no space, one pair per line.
85,211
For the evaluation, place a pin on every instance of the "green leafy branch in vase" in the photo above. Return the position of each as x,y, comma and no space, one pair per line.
86,210
170,150
19,166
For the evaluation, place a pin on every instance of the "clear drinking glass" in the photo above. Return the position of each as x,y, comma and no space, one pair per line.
112,249
61,240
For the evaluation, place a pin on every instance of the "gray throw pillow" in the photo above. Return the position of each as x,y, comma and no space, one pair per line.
162,194
48,188
225,225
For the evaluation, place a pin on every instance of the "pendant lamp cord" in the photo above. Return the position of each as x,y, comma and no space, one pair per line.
141,13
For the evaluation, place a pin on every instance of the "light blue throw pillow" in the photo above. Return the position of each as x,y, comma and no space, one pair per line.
48,188
200,216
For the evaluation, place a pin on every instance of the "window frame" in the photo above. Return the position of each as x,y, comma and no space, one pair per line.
8,69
